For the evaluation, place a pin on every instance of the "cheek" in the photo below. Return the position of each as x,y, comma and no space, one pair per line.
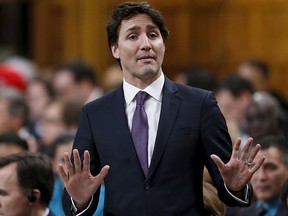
13,205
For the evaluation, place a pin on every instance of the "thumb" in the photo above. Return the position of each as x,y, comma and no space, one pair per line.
104,171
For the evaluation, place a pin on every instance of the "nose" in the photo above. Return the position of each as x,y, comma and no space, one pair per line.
145,43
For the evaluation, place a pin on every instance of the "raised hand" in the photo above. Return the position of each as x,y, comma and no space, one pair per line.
241,167
79,182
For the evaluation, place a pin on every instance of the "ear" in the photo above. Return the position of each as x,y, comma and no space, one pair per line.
33,196
115,51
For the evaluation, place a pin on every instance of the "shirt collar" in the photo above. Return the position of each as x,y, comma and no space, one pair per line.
46,212
154,89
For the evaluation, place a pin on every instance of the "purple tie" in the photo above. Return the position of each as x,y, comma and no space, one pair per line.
140,131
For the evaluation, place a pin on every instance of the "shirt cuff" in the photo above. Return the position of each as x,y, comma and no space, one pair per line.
74,209
246,200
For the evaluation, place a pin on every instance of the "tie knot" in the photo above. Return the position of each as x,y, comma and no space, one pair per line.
141,97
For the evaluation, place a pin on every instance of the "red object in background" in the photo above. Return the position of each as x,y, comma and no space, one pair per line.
9,76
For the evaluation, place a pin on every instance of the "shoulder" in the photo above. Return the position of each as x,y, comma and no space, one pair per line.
186,90
115,96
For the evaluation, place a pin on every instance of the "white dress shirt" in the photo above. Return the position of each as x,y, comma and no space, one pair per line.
152,107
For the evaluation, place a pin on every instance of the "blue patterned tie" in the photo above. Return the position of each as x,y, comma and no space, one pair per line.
140,131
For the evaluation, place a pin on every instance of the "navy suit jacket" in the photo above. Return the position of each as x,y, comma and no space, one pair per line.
191,128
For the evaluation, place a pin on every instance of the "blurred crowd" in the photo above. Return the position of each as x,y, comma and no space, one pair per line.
39,113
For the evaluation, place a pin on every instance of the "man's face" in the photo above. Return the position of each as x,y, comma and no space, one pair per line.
66,87
261,121
268,180
253,75
140,49
13,202
233,108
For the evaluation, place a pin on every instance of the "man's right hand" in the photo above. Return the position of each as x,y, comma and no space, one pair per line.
79,182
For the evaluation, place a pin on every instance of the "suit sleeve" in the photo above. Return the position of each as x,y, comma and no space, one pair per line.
216,140
84,141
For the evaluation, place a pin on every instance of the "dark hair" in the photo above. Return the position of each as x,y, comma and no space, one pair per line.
258,64
127,10
235,84
13,139
34,171
279,142
80,70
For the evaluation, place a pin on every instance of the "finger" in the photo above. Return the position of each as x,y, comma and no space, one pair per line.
236,148
68,164
77,160
63,174
258,164
246,149
253,153
218,162
104,171
86,162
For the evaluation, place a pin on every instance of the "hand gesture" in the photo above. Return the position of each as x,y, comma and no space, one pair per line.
240,169
79,182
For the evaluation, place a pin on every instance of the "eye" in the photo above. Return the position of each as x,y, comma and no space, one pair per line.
132,37
152,35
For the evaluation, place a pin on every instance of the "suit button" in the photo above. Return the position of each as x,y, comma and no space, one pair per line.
147,186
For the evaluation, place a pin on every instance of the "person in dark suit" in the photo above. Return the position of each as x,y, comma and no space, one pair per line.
186,131
26,184
268,181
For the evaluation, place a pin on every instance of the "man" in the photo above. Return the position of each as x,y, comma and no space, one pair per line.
75,81
234,94
263,116
161,173
269,179
26,184
257,72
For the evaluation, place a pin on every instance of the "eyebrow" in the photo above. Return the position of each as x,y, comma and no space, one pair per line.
135,28
3,192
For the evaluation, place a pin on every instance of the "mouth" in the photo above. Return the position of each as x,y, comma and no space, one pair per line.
146,57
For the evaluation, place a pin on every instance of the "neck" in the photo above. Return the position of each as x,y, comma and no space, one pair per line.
39,212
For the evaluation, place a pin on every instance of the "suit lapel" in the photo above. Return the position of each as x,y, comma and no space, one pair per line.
169,109
120,127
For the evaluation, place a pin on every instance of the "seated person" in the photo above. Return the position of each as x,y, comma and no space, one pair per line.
26,184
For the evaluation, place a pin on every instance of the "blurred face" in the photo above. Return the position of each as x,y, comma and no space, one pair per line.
253,75
13,202
260,121
268,180
37,99
65,86
140,49
232,108
52,123
8,123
